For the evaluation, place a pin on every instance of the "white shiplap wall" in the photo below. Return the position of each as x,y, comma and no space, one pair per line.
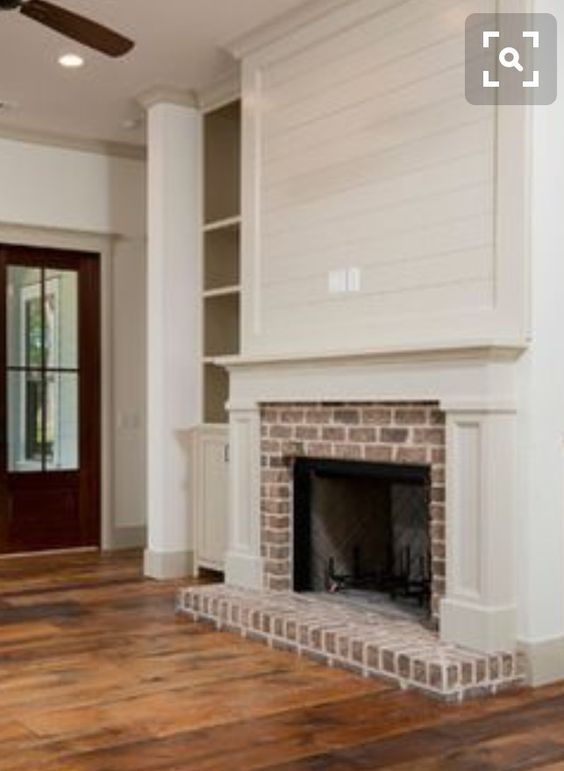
360,150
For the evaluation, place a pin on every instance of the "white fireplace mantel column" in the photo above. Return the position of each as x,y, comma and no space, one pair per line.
173,325
244,564
479,610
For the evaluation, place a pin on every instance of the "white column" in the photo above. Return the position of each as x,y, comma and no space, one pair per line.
480,609
173,328
244,565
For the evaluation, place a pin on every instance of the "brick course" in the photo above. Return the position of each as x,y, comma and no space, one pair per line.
369,643
411,433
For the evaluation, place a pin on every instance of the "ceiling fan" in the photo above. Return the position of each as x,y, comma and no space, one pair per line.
70,24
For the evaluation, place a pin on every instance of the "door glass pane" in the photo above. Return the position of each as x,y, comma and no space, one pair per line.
61,319
24,335
42,338
61,429
25,421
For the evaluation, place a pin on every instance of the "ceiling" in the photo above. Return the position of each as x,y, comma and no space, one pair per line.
179,44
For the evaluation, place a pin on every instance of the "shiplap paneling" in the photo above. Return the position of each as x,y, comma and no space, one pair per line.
362,151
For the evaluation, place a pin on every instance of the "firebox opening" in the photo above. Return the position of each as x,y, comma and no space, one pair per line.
361,533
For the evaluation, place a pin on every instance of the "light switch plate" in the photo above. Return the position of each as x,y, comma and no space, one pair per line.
337,281
353,280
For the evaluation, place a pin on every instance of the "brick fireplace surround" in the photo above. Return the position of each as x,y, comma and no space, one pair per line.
380,433
403,433
453,410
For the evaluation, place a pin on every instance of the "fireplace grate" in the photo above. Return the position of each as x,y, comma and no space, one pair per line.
399,581
368,531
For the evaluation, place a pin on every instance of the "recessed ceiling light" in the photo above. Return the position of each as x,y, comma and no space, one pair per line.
72,61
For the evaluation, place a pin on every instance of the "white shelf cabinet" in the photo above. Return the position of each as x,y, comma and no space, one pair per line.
221,249
210,464
221,272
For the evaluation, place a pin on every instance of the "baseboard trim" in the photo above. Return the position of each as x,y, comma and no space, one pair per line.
128,538
484,629
166,565
544,660
244,570
50,553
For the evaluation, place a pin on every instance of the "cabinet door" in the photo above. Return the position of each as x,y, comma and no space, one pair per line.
212,531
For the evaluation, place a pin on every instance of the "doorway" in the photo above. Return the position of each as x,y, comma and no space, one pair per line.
50,411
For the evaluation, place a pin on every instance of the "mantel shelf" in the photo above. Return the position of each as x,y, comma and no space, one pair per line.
229,222
222,291
490,349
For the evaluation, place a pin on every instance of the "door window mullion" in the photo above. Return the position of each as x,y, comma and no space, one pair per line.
43,376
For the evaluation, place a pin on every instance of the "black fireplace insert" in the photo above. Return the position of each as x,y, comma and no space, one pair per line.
362,526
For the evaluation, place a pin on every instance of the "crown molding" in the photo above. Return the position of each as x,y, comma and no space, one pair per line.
78,144
221,92
281,26
58,238
168,95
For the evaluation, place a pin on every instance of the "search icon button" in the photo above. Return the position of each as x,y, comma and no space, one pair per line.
509,58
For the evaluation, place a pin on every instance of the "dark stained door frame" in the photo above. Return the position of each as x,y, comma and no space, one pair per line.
35,507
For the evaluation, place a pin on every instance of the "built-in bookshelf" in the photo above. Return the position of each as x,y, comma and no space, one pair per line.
221,252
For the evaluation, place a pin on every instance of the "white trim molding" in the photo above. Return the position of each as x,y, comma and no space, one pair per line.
163,566
221,92
493,349
282,26
169,95
129,537
244,564
480,608
544,660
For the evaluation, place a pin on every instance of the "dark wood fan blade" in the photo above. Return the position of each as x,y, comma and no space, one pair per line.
84,31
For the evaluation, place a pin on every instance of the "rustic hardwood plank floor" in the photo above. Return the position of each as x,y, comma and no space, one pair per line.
97,674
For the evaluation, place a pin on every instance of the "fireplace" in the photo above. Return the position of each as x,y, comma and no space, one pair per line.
446,415
367,441
361,532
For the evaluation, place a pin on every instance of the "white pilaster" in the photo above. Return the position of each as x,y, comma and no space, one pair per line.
173,328
244,565
479,610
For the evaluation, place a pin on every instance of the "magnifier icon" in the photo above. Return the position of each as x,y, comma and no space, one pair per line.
509,58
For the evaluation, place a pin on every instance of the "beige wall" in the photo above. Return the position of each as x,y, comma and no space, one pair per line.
362,152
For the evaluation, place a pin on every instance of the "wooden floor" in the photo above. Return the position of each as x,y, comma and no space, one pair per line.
97,674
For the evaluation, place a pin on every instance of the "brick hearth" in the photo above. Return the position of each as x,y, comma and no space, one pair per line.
370,643
408,433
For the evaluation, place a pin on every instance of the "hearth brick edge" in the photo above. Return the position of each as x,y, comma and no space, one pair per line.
372,644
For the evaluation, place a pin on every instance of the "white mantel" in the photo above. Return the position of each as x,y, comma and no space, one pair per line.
477,388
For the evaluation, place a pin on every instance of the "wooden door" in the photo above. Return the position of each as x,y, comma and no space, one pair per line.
49,400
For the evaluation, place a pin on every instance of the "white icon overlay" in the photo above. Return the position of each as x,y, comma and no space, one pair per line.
510,58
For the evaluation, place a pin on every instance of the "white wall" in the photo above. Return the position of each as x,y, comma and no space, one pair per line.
44,187
361,150
541,545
